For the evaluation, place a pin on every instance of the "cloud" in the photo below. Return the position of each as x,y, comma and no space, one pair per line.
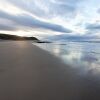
95,26
54,16
7,28
24,20
93,29
48,8
98,10
66,37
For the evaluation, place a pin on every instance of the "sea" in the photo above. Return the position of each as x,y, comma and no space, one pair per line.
84,56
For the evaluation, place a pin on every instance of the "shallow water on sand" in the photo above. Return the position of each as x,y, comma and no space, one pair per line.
82,55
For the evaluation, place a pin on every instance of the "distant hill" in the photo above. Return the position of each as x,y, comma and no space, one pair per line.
15,37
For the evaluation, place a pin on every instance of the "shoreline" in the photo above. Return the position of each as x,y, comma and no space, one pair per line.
30,73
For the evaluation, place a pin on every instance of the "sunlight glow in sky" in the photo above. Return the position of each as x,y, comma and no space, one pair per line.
43,18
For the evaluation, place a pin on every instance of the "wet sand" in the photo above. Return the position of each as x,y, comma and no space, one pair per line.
29,73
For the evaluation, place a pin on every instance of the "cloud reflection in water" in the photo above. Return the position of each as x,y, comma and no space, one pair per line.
84,56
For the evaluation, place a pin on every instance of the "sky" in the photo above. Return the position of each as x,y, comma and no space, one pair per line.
44,18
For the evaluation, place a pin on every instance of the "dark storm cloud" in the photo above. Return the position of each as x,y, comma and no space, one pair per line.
25,20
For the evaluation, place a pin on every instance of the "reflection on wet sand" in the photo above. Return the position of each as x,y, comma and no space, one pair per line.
30,73
84,56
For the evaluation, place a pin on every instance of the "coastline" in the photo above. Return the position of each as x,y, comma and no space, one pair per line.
30,73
